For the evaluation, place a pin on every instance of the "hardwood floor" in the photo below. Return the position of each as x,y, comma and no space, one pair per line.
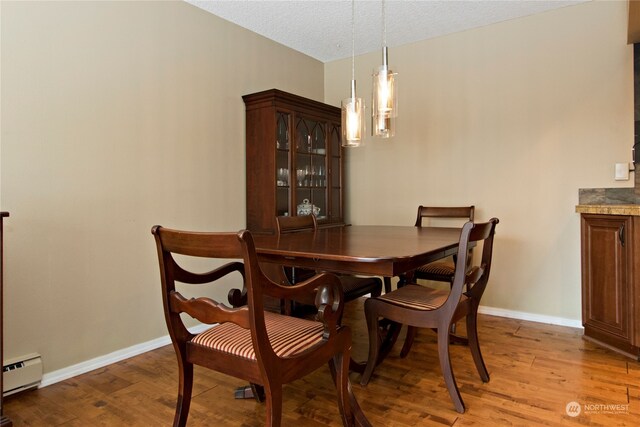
536,370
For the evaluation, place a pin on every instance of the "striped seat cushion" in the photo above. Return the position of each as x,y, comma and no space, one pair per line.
417,297
437,268
288,336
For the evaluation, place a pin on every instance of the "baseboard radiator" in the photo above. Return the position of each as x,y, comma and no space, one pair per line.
21,373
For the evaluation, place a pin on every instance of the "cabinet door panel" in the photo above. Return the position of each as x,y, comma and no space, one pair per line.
335,173
311,165
606,274
283,173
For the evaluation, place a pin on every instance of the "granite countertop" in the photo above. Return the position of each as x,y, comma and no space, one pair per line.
610,201
633,210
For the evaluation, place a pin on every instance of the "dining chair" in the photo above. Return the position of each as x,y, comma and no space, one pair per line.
247,342
443,270
426,307
353,286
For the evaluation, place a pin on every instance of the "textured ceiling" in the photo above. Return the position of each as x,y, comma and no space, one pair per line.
322,29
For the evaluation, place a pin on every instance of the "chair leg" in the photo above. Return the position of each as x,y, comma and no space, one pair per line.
408,341
391,331
185,387
258,392
376,292
251,391
474,345
447,371
346,399
387,285
273,411
360,419
341,379
374,340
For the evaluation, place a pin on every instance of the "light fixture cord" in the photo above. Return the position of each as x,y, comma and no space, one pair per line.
384,26
353,40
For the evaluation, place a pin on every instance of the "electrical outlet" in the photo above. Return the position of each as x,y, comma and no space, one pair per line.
622,172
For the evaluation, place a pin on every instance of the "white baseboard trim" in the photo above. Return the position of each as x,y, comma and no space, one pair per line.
530,317
108,359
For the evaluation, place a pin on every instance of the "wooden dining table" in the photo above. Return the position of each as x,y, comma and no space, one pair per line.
372,250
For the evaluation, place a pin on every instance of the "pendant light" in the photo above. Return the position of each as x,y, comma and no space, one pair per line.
384,105
352,107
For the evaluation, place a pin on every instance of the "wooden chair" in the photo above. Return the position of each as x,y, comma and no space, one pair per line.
425,307
352,286
249,343
442,271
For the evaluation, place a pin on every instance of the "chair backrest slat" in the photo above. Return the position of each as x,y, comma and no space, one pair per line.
292,224
198,244
462,212
209,311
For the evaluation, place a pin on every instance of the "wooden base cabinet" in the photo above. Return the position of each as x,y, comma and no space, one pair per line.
610,281
294,160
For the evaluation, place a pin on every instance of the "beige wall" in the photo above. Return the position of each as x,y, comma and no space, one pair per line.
513,118
117,116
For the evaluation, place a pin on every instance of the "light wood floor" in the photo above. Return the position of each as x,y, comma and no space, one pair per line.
536,370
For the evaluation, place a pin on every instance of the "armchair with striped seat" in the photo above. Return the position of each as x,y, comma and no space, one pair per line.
245,341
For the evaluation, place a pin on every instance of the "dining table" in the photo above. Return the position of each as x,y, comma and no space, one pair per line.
374,250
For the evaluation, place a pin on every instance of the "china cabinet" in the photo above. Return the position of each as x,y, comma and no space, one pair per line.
294,160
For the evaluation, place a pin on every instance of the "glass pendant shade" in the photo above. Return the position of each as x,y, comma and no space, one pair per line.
384,108
353,107
352,119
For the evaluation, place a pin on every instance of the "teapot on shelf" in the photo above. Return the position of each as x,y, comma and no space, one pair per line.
306,208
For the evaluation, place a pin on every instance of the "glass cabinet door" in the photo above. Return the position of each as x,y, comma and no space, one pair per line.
335,172
283,168
311,168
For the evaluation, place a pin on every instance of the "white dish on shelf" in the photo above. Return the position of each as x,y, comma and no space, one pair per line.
306,208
